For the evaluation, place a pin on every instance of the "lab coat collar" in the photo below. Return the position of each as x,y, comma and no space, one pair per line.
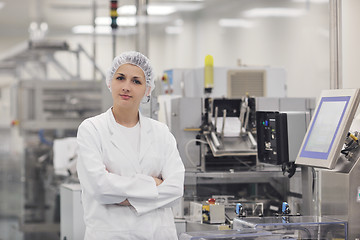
123,145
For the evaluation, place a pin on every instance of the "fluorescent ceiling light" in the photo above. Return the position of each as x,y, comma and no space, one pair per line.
131,21
188,7
126,21
311,1
127,10
169,8
103,21
274,12
160,10
151,10
235,22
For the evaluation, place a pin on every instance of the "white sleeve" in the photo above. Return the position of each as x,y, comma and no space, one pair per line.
106,187
172,188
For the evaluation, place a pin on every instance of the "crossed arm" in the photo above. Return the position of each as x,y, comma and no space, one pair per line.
143,192
158,181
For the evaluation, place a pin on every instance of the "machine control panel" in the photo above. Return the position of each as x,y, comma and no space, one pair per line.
272,137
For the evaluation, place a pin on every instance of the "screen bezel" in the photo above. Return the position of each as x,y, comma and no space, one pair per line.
328,160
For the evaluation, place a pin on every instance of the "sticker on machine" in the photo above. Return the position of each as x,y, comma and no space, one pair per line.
358,195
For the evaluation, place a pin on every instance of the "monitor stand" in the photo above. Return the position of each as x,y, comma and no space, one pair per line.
336,193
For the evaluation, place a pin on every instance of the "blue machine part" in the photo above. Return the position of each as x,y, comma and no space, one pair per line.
169,74
285,208
239,209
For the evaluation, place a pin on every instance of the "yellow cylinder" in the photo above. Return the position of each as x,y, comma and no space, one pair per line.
209,74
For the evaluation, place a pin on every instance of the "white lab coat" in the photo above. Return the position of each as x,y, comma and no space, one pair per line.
110,172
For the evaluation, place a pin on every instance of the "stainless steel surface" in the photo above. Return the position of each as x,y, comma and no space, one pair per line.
232,146
180,225
297,126
197,226
186,114
223,125
339,195
256,176
285,104
56,104
308,207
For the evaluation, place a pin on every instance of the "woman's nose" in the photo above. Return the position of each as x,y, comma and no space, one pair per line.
126,86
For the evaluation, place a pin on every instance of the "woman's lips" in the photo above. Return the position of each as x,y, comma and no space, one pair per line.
125,97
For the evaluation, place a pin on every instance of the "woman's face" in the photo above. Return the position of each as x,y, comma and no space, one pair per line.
128,86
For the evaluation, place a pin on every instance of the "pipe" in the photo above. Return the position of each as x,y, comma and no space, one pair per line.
335,45
142,40
94,5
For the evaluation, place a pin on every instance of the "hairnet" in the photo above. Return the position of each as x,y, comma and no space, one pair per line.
134,58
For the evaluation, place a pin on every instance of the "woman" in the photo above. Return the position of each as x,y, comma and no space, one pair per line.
128,165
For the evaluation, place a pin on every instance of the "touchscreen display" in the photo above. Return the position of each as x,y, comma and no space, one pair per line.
325,127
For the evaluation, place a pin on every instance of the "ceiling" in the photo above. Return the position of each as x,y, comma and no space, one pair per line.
60,15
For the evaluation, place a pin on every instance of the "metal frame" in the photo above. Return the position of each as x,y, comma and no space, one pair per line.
335,44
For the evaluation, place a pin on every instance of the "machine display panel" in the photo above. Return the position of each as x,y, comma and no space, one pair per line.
325,127
328,128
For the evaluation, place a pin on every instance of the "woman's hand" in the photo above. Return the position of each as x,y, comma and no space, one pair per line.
158,181
124,203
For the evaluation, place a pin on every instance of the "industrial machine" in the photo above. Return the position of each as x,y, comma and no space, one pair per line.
328,157
48,100
228,127
229,82
215,128
47,111
221,162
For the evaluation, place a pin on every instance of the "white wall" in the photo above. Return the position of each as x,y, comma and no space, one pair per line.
351,43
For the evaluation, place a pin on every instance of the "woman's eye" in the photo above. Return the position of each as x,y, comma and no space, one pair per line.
136,81
120,78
